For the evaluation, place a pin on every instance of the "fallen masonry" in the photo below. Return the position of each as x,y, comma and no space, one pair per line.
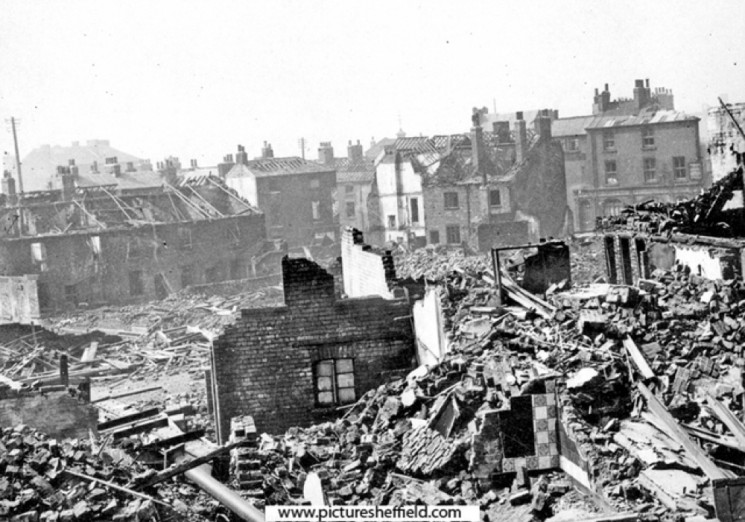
593,402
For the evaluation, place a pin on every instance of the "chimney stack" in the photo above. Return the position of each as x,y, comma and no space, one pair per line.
67,179
266,151
241,157
542,125
477,143
326,153
521,138
355,152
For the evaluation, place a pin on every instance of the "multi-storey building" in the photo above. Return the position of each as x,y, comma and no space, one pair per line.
296,195
629,151
354,177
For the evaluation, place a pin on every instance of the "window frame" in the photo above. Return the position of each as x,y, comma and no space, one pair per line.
454,204
338,373
646,170
614,172
609,141
648,137
683,167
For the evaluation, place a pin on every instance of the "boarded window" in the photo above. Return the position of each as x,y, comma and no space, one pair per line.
335,382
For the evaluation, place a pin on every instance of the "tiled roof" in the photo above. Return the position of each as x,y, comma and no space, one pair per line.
267,167
348,171
646,117
574,126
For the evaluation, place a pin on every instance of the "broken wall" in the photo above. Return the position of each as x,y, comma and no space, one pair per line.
272,363
115,266
365,271
431,341
629,258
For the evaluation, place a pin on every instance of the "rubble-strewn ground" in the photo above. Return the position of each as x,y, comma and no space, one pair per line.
688,329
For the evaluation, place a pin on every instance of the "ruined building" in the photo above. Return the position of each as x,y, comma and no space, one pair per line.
295,364
629,151
727,139
99,244
296,196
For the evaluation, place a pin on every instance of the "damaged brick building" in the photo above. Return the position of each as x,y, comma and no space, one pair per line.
296,195
476,195
97,244
294,364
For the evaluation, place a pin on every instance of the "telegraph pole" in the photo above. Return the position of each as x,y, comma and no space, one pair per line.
18,158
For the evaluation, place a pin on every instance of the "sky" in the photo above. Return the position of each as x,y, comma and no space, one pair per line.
195,79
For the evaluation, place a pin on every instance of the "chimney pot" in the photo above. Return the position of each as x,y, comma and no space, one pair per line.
606,87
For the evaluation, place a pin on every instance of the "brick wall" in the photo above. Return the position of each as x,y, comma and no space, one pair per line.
366,271
263,364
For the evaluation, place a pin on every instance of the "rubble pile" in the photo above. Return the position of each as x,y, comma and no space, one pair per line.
417,435
708,214
68,480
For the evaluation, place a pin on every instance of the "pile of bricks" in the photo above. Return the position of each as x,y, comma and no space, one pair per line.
45,479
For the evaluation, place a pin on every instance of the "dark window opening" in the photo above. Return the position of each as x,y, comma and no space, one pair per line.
451,200
434,237
414,202
71,294
495,198
610,260
517,429
628,271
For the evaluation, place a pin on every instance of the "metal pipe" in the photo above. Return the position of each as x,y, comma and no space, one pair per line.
202,477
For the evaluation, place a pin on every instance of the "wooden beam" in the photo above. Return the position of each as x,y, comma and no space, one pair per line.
116,486
675,431
638,357
728,418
